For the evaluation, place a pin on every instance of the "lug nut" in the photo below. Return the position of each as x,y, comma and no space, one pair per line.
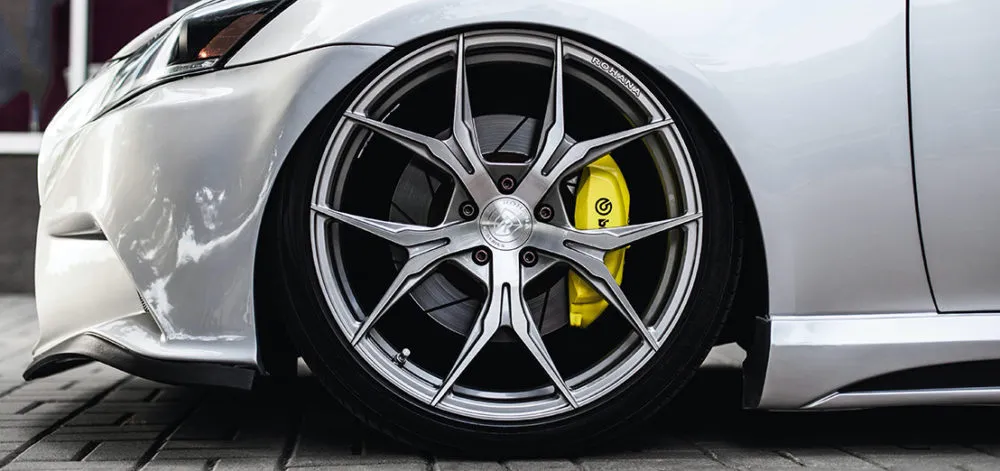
468,210
481,256
545,213
529,258
507,183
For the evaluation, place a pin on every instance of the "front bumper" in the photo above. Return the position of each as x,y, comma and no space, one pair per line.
150,214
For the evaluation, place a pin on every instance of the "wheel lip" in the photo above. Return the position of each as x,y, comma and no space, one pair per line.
496,406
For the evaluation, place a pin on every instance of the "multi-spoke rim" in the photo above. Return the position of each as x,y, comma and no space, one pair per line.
504,276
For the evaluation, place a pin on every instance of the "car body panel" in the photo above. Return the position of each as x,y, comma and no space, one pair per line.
812,358
956,115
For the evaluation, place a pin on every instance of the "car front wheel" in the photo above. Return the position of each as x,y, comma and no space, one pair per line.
506,242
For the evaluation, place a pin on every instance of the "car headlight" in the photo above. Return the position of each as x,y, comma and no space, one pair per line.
196,40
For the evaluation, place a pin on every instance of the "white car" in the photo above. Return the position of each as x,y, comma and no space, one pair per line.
519,226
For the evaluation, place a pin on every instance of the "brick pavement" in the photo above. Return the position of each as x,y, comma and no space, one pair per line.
95,417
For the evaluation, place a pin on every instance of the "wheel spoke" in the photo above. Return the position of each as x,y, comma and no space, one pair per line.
554,123
505,307
433,151
411,274
463,124
406,235
584,152
618,237
591,267
524,326
427,247
482,332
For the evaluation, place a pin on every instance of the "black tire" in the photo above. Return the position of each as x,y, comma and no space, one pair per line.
378,404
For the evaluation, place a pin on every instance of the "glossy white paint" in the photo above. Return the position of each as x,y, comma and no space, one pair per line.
811,357
917,397
177,180
810,96
79,283
139,333
956,147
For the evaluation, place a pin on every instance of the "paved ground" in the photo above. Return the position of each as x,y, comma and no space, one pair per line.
97,418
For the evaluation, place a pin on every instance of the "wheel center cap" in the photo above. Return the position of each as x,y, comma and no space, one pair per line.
506,223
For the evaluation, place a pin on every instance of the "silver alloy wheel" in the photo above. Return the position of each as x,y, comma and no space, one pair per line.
506,224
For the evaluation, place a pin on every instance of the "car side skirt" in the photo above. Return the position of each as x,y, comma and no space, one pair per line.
814,362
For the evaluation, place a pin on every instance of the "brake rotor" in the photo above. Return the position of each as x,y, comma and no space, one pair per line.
421,197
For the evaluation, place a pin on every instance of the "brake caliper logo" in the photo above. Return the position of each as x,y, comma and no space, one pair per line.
603,206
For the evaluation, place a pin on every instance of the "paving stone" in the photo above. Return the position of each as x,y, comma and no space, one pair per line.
942,456
10,406
357,460
977,467
454,465
97,418
28,420
337,448
131,395
550,465
104,436
126,407
9,446
22,434
55,408
67,465
651,464
207,423
107,433
164,415
175,394
246,464
53,451
119,451
224,445
73,429
217,453
365,467
824,457
754,459
176,465
137,382
70,395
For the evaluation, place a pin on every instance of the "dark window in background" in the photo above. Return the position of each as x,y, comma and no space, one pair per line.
34,50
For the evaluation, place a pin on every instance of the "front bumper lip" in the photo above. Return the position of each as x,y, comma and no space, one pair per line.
90,347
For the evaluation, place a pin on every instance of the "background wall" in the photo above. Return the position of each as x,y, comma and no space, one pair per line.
18,220
34,49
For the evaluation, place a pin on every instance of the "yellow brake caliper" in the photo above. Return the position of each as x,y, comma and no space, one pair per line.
602,200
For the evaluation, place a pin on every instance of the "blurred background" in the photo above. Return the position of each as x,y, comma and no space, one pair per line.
48,48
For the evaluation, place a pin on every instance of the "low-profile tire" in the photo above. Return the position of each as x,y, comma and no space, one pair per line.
377,399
